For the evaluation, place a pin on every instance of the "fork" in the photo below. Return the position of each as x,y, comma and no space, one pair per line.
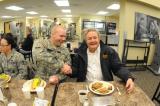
118,91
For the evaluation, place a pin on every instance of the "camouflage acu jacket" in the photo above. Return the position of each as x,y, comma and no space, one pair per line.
13,65
49,59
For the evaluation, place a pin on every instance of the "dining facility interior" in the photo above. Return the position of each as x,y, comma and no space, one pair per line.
116,20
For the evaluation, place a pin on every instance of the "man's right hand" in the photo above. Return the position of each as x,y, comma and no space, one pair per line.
53,79
66,69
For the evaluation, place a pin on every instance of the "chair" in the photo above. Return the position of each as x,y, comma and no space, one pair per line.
73,56
156,95
28,55
30,72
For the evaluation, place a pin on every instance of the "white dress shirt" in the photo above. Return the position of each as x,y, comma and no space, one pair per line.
94,71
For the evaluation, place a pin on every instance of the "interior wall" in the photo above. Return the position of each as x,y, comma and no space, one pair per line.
33,22
127,22
16,20
78,28
92,18
114,18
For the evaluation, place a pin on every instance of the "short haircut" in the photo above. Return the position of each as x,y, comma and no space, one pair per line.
10,40
54,29
86,31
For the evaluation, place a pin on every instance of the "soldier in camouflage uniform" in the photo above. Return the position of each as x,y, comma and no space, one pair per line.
12,62
52,59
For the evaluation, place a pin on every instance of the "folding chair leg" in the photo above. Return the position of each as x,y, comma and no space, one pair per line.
156,95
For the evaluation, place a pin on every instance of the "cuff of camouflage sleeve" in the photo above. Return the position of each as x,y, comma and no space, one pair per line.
61,77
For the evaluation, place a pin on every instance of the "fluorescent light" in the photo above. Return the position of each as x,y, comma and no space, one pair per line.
102,12
32,12
14,8
43,16
61,2
29,17
114,7
68,15
1,0
66,11
7,17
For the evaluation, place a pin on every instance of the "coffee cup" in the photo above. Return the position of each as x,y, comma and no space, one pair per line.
82,95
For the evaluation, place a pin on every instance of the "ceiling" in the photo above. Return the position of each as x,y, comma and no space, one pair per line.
49,8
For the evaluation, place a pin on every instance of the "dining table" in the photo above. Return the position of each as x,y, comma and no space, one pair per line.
67,95
14,93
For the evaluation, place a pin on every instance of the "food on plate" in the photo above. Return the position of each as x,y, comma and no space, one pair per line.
103,90
97,85
4,76
36,82
109,87
102,87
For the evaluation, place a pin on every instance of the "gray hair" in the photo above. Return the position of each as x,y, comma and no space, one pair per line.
86,31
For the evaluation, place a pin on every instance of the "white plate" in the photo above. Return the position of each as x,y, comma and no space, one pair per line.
105,84
28,84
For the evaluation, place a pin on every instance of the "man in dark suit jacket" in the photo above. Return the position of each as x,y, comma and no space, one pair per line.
97,61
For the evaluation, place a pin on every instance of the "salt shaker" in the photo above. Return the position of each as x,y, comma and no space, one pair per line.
86,103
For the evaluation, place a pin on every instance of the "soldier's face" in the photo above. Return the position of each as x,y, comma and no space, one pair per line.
4,46
92,40
59,37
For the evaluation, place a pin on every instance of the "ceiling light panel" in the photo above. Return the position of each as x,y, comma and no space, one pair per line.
68,15
61,3
102,12
43,16
114,7
7,17
32,12
14,8
66,11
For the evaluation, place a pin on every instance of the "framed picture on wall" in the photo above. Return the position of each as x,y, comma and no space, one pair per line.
111,28
147,28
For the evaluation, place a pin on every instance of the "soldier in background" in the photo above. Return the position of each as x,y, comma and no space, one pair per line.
44,30
12,62
34,31
54,23
51,58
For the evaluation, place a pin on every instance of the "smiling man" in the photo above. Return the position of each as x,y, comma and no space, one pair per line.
52,59
96,61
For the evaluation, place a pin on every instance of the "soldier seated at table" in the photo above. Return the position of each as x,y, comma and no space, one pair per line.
97,61
51,58
11,61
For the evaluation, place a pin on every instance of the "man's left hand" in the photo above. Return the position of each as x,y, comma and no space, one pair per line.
129,85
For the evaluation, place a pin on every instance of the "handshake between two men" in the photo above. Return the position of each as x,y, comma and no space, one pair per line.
66,69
